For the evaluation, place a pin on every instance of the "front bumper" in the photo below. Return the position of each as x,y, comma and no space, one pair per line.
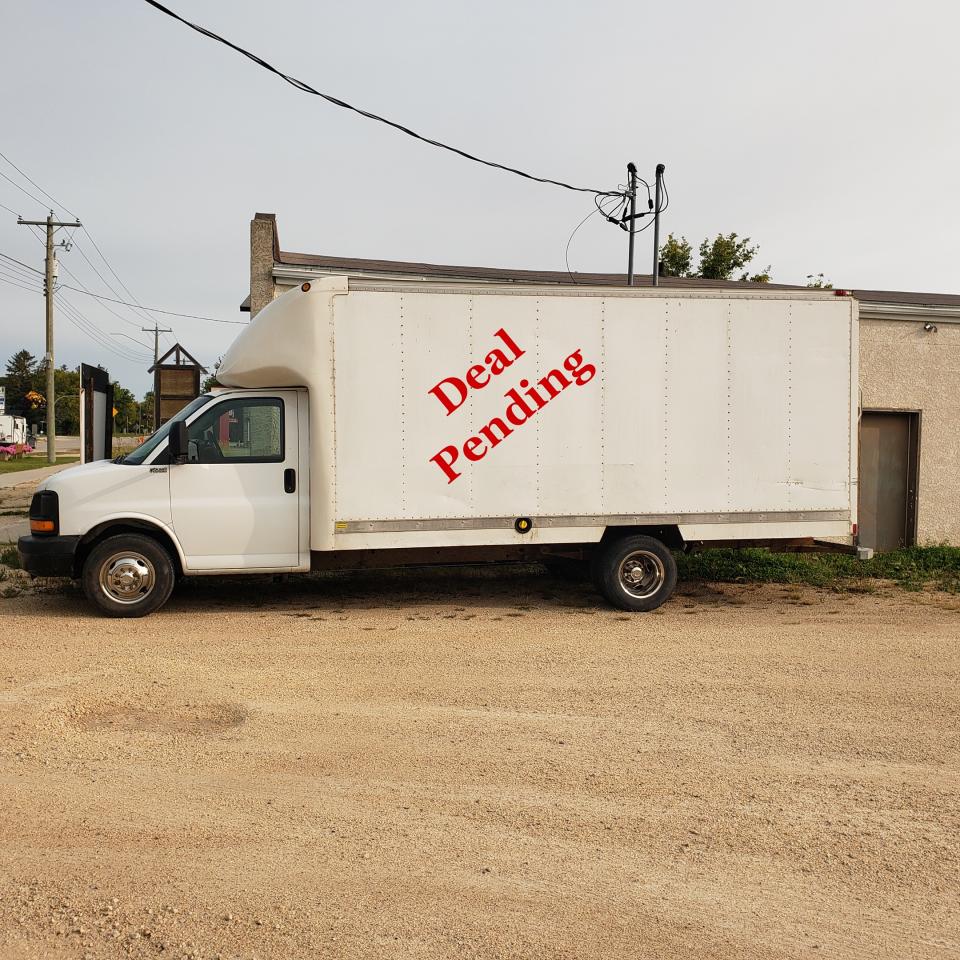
47,556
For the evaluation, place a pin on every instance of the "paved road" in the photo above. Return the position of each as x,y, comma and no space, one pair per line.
466,766
66,446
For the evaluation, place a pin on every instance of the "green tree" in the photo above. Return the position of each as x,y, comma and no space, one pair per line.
676,257
817,280
146,413
723,256
720,258
128,410
212,380
23,376
66,383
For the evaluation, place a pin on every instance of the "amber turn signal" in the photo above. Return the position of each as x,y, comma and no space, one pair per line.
42,526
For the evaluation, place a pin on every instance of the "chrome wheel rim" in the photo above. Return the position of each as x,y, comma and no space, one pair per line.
127,577
641,574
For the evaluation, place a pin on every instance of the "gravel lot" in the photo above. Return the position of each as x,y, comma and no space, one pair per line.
467,764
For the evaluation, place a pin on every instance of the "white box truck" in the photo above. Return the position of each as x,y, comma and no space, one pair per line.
367,423
13,430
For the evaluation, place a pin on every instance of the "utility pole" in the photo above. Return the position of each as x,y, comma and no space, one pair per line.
156,331
656,224
632,188
48,291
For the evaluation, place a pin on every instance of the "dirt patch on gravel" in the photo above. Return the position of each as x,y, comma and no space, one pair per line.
171,719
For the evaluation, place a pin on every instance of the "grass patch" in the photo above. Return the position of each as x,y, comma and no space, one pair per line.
9,557
31,463
912,568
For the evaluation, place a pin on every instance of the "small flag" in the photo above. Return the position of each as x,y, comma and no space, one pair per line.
115,411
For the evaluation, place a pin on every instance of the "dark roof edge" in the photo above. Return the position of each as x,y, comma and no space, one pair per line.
400,267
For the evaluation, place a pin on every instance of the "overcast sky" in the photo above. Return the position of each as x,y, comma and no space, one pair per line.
826,131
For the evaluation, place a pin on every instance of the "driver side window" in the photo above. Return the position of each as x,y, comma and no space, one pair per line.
238,431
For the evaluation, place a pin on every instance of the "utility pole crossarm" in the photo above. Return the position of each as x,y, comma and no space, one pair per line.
43,223
156,331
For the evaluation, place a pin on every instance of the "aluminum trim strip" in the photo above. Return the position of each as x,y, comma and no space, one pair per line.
609,520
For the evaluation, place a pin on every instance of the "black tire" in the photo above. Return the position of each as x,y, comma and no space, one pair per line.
566,568
635,573
128,575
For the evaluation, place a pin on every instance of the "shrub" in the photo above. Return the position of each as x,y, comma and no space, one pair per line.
911,567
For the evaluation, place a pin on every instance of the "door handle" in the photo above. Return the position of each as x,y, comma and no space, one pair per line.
290,480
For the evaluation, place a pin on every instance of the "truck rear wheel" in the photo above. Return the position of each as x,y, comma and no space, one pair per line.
636,573
128,575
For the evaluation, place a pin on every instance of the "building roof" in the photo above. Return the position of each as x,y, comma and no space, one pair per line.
543,277
435,271
182,359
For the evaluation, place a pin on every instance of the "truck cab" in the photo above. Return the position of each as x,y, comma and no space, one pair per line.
233,499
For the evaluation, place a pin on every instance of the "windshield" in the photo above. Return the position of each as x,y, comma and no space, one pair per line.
141,453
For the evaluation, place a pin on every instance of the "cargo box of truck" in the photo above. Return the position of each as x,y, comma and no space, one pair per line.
365,423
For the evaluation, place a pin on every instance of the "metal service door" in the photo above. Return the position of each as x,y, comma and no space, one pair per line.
889,444
235,502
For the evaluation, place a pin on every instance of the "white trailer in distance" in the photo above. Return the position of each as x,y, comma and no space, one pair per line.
367,423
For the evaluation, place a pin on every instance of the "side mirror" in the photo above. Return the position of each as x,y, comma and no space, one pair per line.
177,442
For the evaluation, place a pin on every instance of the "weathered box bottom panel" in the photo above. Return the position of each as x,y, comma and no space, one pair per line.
499,531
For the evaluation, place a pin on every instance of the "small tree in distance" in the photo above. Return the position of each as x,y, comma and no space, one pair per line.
720,258
212,380
676,258
23,377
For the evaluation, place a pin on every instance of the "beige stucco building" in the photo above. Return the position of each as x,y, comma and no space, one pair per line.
909,378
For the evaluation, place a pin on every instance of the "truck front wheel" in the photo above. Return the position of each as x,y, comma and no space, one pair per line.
635,573
128,576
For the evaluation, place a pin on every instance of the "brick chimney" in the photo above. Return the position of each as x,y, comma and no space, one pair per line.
264,252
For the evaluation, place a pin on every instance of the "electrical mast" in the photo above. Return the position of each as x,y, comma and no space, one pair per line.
156,331
48,291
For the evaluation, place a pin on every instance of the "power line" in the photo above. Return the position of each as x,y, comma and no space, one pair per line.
337,102
94,333
86,289
103,279
169,313
7,256
110,268
15,273
20,277
84,324
599,209
22,286
9,209
37,185
134,306
26,193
